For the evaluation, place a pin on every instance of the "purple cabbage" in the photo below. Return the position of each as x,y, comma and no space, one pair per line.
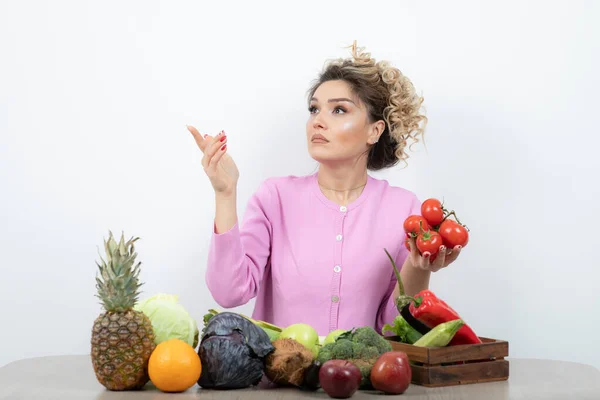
232,352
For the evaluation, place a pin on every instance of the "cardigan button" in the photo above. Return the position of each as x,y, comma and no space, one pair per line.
335,299
343,209
338,238
337,268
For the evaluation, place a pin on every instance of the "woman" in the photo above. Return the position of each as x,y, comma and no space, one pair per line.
311,248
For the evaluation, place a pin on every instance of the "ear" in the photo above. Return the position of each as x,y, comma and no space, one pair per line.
375,131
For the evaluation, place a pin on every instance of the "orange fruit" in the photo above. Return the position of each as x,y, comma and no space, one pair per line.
174,366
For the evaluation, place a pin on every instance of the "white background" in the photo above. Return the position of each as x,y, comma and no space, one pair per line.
94,98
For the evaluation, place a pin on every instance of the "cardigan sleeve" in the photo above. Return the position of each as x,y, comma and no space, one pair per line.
388,311
238,258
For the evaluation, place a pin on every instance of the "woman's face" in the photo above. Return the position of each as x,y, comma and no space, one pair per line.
338,128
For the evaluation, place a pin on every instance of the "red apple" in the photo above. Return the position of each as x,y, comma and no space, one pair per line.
340,379
391,372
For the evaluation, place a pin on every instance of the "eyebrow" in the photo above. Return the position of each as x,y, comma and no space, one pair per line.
338,100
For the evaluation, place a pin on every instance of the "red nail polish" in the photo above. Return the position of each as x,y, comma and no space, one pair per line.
224,147
222,139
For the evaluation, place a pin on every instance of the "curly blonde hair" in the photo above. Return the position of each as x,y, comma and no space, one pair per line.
388,95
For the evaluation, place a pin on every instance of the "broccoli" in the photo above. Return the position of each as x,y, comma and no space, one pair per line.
370,338
361,346
370,353
343,350
358,349
326,353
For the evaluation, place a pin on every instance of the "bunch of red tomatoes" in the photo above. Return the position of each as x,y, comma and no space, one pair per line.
433,228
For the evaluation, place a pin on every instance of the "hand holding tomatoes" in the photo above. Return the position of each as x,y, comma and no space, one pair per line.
434,240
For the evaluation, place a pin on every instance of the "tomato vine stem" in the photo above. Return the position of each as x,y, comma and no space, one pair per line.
449,213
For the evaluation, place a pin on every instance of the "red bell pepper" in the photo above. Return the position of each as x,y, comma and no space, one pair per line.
432,311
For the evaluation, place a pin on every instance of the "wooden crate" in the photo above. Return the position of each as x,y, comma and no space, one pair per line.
456,365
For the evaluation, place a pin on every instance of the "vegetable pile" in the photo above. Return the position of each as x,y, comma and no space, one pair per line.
237,352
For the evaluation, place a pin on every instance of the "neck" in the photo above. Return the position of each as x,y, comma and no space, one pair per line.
340,184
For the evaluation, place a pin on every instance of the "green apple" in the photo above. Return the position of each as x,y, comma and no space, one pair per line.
303,334
332,336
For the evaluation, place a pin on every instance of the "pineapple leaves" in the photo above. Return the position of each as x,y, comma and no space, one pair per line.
118,284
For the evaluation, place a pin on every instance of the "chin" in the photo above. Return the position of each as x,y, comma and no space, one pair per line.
323,157
318,154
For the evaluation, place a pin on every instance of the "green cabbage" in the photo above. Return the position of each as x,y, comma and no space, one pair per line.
169,319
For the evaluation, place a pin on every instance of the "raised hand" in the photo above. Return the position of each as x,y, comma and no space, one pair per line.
218,165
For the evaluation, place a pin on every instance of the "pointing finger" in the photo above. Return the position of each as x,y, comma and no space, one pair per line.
200,141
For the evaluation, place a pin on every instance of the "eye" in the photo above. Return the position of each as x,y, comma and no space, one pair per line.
312,109
339,108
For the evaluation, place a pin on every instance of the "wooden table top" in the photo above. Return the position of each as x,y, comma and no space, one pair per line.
72,377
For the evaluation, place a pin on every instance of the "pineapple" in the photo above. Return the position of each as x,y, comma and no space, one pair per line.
122,338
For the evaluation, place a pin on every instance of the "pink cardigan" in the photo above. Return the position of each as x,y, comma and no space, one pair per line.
307,260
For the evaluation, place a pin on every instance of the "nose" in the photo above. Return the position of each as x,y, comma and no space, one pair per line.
318,122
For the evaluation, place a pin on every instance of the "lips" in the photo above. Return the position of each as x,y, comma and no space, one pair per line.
318,138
